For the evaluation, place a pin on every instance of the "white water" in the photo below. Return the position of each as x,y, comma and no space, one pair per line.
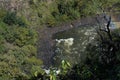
71,45
67,42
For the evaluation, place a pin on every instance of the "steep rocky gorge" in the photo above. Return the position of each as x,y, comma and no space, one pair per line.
46,42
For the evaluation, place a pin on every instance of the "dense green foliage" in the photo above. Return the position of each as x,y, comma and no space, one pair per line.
17,50
12,19
58,11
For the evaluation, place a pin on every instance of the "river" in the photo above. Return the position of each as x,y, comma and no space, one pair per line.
71,45
69,41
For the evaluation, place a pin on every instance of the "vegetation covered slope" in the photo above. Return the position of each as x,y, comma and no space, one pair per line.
18,48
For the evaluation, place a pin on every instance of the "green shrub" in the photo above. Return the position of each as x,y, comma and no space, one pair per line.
29,50
25,36
2,13
9,35
3,27
51,21
20,22
2,49
12,19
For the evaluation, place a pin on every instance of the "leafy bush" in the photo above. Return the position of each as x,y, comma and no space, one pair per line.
12,19
9,35
51,21
3,27
20,36
2,13
17,51
70,8
2,49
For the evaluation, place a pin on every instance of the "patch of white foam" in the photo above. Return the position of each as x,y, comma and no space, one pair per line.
47,71
68,41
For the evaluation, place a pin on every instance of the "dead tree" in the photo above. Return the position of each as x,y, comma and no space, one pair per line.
108,47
